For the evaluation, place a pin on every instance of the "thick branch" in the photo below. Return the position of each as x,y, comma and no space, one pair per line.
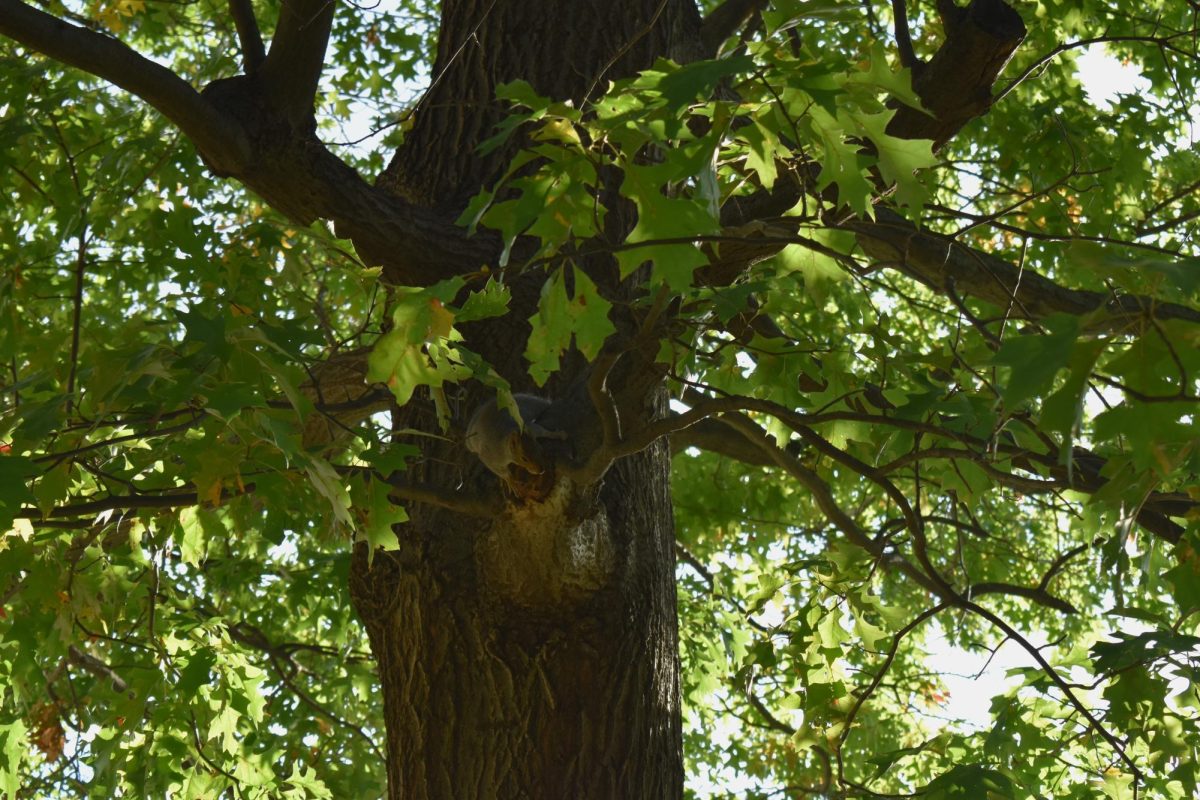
1152,515
236,127
943,264
956,85
293,67
300,178
1037,594
717,437
222,142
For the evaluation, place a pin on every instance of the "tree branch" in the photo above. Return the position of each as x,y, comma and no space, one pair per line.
1037,594
822,495
253,52
944,265
955,86
220,140
235,126
908,57
97,667
1152,515
1036,654
170,500
469,505
876,679
715,436
1161,42
292,70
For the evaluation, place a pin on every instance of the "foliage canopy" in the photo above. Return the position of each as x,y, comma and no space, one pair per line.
919,395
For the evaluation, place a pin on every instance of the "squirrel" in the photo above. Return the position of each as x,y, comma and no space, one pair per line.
501,443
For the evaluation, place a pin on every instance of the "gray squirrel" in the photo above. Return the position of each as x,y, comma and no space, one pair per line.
501,443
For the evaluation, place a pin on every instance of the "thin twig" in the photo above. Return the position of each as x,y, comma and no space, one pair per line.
877,679
908,58
1058,681
1161,41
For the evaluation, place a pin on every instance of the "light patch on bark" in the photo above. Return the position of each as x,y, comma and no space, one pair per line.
545,556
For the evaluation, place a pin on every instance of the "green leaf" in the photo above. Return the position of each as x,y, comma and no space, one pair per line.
899,159
192,540
885,761
15,471
391,458
12,736
206,330
786,14
227,399
1185,582
581,317
417,352
51,487
762,148
490,301
330,486
306,784
38,420
1177,273
1035,359
879,75
224,727
683,84
663,218
377,516
842,164
1128,650
1062,411
971,781
197,672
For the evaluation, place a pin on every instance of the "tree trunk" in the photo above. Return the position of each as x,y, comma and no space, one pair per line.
535,654
507,673
565,49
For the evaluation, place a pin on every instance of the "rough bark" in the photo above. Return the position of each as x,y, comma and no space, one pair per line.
533,654
520,660
564,50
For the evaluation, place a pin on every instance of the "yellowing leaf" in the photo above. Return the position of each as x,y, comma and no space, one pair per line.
441,319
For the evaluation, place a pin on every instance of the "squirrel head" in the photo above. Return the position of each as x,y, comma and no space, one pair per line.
518,447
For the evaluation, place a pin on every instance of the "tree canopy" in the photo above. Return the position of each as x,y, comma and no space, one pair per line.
926,307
